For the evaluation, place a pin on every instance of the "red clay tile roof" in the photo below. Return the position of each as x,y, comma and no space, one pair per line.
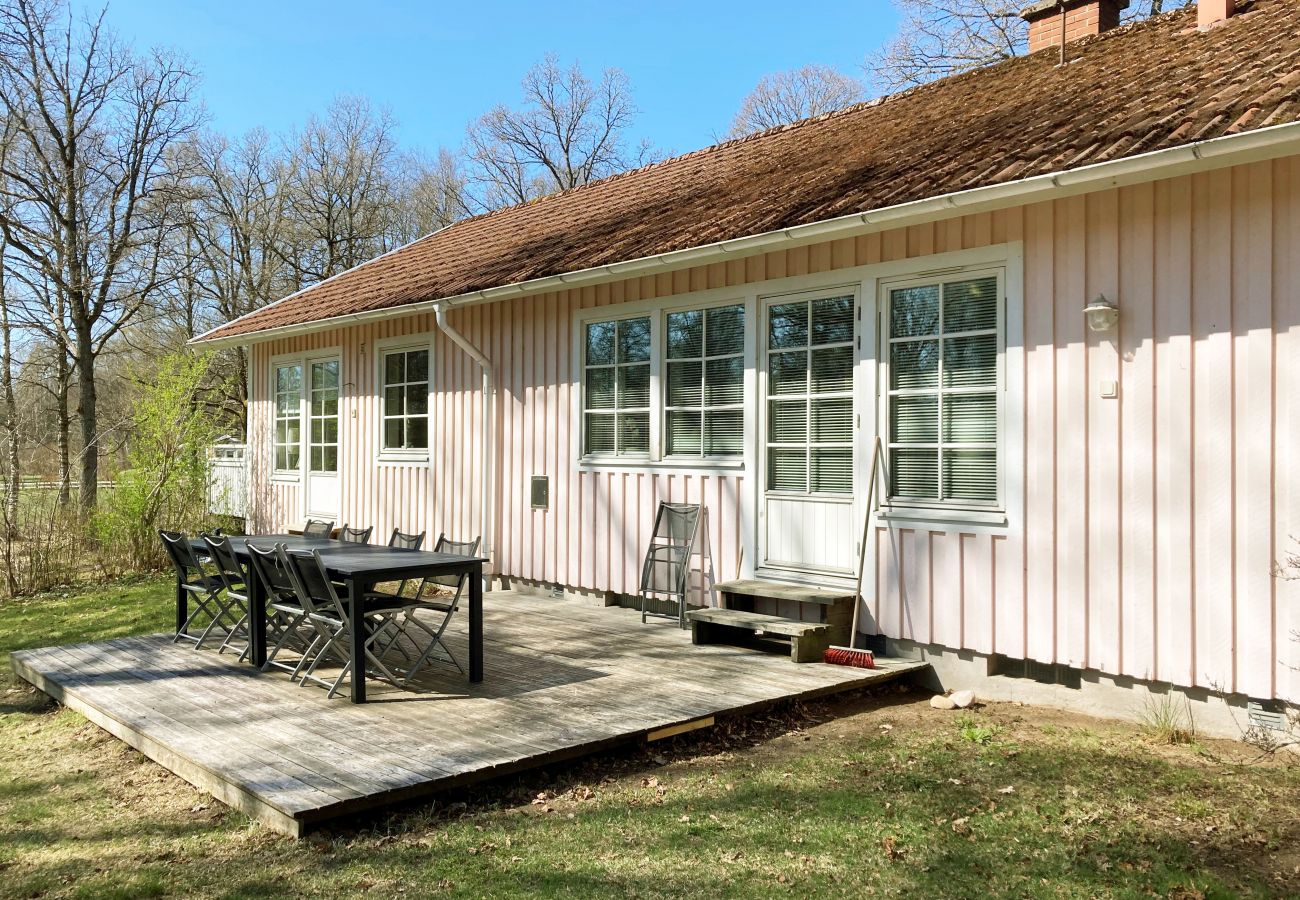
1144,87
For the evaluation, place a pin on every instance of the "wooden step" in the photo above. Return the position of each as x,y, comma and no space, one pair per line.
808,640
780,590
756,622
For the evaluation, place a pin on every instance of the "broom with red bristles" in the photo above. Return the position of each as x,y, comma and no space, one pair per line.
850,655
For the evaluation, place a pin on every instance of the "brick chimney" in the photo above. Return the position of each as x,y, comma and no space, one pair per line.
1211,12
1083,18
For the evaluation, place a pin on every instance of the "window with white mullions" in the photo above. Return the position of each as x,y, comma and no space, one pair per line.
323,417
616,387
704,414
406,400
944,340
287,440
810,396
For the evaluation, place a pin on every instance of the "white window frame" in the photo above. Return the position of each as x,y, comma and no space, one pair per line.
653,363
665,408
304,359
658,311
1006,263
401,455
276,471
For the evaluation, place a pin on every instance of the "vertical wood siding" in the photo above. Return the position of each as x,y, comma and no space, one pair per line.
1151,522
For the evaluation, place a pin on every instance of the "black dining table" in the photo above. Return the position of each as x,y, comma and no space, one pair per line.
360,567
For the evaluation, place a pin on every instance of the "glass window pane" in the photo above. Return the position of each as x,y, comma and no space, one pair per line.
684,388
787,421
914,364
914,311
787,373
600,343
724,381
394,368
317,404
634,340
914,474
683,433
288,379
393,401
281,457
331,431
600,389
633,432
282,432
970,305
317,460
685,334
970,361
600,434
317,430
787,470
394,433
295,457
788,326
417,365
324,375
331,454
725,330
970,475
970,418
724,432
832,370
633,387
914,419
330,403
417,399
293,430
832,420
832,320
832,470
417,433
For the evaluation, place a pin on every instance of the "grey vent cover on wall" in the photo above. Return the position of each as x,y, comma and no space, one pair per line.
1265,714
541,492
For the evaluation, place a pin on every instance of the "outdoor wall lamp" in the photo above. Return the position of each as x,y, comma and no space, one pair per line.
1102,314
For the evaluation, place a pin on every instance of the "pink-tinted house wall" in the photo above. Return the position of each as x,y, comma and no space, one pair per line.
1141,530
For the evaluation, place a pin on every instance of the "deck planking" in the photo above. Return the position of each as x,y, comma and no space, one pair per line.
561,680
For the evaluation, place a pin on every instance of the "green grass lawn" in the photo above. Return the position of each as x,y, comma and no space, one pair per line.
868,795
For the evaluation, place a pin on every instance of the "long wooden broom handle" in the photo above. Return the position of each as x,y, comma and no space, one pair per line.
877,454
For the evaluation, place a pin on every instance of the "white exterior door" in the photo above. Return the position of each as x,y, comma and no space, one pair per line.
807,524
321,461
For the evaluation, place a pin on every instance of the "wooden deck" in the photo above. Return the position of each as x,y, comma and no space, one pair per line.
561,680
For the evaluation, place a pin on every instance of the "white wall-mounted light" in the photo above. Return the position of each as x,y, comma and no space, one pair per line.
1102,314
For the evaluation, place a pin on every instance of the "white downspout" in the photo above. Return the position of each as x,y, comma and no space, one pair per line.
489,456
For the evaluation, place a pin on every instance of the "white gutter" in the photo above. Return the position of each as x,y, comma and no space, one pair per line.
1235,149
488,443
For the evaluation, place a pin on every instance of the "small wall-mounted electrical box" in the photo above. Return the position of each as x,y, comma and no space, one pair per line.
1109,390
541,492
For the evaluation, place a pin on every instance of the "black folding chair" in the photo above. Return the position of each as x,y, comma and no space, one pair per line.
355,535
331,618
667,563
235,595
203,588
442,610
316,528
286,613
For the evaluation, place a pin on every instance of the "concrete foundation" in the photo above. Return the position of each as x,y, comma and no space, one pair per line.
1213,714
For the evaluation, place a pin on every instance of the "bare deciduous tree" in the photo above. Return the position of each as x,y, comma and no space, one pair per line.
339,192
568,132
937,38
88,189
431,195
784,97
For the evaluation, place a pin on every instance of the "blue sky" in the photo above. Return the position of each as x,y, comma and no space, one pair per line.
436,65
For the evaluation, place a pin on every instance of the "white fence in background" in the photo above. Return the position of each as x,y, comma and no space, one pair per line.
228,479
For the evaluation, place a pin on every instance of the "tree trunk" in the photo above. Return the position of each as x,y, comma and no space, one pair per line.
87,409
64,416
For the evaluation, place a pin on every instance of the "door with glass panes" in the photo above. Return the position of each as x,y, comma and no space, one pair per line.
321,411
806,510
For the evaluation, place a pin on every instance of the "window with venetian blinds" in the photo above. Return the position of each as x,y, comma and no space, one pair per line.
810,396
704,411
616,387
944,340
